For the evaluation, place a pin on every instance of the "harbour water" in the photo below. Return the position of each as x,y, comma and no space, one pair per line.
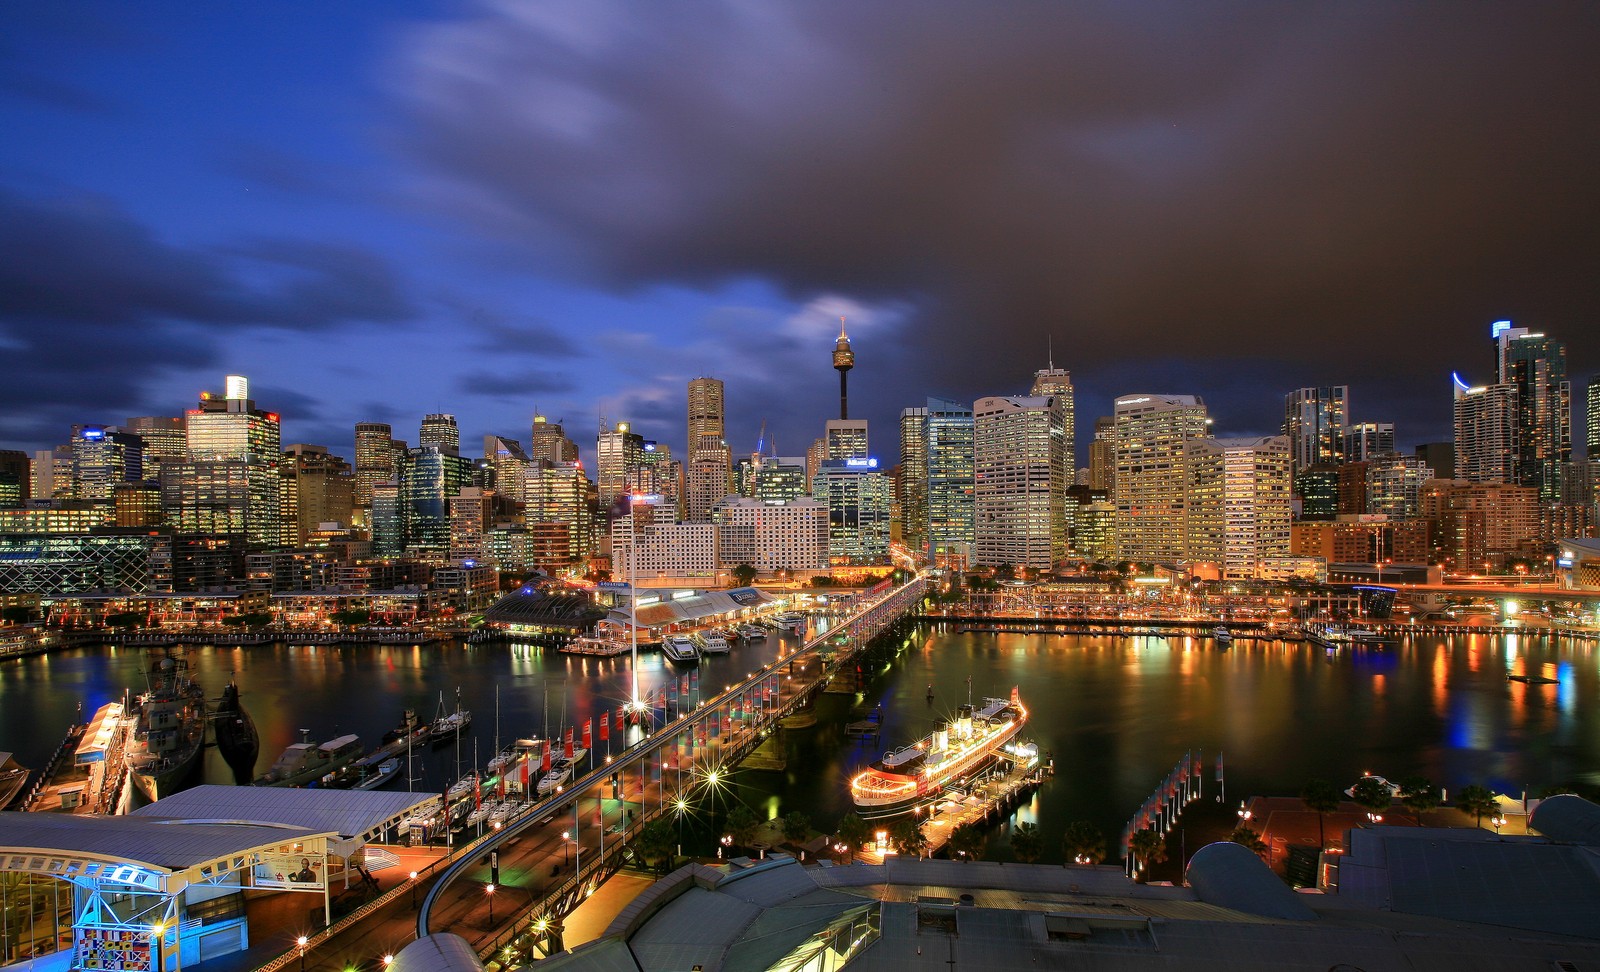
1115,713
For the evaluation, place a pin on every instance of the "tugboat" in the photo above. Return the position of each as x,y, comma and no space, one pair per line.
236,733
169,730
913,775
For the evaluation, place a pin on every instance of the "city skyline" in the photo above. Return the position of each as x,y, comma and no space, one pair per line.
490,211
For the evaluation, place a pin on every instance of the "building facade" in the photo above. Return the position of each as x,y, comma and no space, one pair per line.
1238,508
1018,482
1151,435
1486,432
1315,421
771,537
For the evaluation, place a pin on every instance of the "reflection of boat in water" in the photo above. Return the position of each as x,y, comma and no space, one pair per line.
1534,679
912,775
305,762
236,733
12,776
169,730
447,727
679,649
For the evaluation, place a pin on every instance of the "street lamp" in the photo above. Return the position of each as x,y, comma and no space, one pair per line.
301,942
566,844
413,890
158,932
488,890
1243,813
1499,820
725,841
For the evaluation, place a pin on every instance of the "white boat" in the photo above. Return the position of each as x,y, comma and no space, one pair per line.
912,776
386,771
1223,635
462,788
447,727
503,811
479,814
791,621
679,649
753,632
560,774
714,643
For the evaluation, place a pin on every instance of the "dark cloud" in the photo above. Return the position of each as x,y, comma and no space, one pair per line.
54,93
94,308
514,383
1326,193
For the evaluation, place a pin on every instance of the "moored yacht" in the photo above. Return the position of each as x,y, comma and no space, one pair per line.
909,777
680,649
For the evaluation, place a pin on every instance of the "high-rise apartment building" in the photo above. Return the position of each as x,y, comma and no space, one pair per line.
913,482
1316,489
1394,485
1536,367
507,465
1314,419
1151,433
1592,418
230,484
1364,440
1486,432
559,510
949,482
1018,481
469,525
770,537
1238,508
707,476
706,411
858,498
52,473
439,429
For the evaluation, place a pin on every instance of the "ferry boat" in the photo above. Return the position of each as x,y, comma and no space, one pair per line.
791,622
753,632
915,775
305,762
680,649
714,643
169,730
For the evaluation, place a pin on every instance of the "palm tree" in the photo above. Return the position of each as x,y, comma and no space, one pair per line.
1249,838
1084,843
907,837
1323,797
1372,793
1148,847
852,831
796,826
1476,800
967,842
1419,795
1026,844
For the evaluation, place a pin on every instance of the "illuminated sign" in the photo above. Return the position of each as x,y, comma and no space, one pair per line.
1460,385
861,463
1498,328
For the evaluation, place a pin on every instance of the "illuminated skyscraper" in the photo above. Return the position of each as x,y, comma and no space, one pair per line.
102,458
164,440
1103,455
1057,383
430,478
1314,419
439,429
16,479
706,415
549,441
778,479
858,499
707,478
1394,485
845,439
913,484
1486,432
378,456
318,489
1592,423
1364,440
559,513
616,450
949,482
1237,509
1019,489
1151,434
507,465
1536,367
230,484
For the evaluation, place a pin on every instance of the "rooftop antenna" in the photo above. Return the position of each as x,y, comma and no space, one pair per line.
1049,352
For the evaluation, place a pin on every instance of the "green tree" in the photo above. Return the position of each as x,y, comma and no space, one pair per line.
853,832
907,838
1005,571
1476,800
1083,843
796,826
742,825
744,575
822,580
1026,844
656,843
967,842
351,616
1419,795
1250,839
1149,847
1322,797
1373,794
125,619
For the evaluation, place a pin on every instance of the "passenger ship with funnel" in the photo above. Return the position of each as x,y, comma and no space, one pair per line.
914,775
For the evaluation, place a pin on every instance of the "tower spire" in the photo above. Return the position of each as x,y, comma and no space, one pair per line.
843,360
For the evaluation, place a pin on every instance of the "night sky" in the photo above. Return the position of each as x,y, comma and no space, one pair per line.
380,209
